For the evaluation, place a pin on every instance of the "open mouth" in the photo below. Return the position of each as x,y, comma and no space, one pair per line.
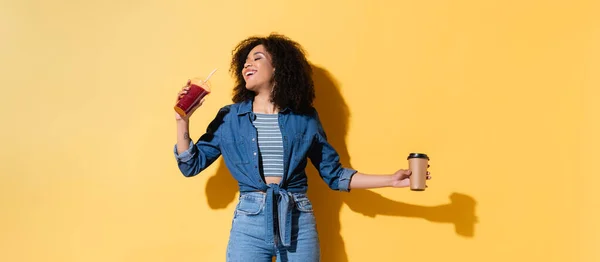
251,72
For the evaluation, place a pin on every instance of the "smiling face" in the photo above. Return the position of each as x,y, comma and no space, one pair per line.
258,69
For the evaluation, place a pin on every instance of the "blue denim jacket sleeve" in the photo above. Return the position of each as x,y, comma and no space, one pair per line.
202,154
326,159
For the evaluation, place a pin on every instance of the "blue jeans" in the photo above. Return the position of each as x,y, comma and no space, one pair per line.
248,232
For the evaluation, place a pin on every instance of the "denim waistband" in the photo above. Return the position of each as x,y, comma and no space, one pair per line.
261,194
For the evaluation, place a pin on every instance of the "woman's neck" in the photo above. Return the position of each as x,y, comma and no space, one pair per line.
263,105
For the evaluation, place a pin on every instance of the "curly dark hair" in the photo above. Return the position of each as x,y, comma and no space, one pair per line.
294,87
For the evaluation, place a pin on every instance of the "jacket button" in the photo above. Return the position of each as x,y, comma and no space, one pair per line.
253,139
254,153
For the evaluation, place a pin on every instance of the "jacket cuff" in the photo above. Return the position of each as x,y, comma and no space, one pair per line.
185,156
344,180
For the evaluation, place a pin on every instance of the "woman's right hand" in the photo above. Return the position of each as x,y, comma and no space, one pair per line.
182,93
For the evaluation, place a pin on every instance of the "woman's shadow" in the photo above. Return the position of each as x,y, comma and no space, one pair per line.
334,114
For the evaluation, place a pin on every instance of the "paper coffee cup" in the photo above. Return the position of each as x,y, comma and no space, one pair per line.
418,164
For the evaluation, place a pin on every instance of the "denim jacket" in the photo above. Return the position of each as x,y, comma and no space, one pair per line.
232,135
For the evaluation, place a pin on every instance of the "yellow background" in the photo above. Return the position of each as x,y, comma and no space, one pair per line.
503,95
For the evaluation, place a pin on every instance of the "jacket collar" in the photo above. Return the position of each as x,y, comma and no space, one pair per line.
245,107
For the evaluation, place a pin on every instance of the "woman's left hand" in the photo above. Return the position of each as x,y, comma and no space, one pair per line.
402,178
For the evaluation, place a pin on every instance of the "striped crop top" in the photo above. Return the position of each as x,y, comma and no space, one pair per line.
270,145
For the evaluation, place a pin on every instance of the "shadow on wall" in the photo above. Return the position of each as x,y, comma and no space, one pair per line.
334,114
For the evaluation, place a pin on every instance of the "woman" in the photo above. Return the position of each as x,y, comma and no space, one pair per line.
266,138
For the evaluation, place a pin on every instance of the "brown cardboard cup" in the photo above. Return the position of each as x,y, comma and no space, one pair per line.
418,164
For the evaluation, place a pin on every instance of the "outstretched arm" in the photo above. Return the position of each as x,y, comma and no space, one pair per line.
325,158
400,178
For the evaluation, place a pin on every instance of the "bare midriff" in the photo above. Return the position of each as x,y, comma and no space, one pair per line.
272,180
